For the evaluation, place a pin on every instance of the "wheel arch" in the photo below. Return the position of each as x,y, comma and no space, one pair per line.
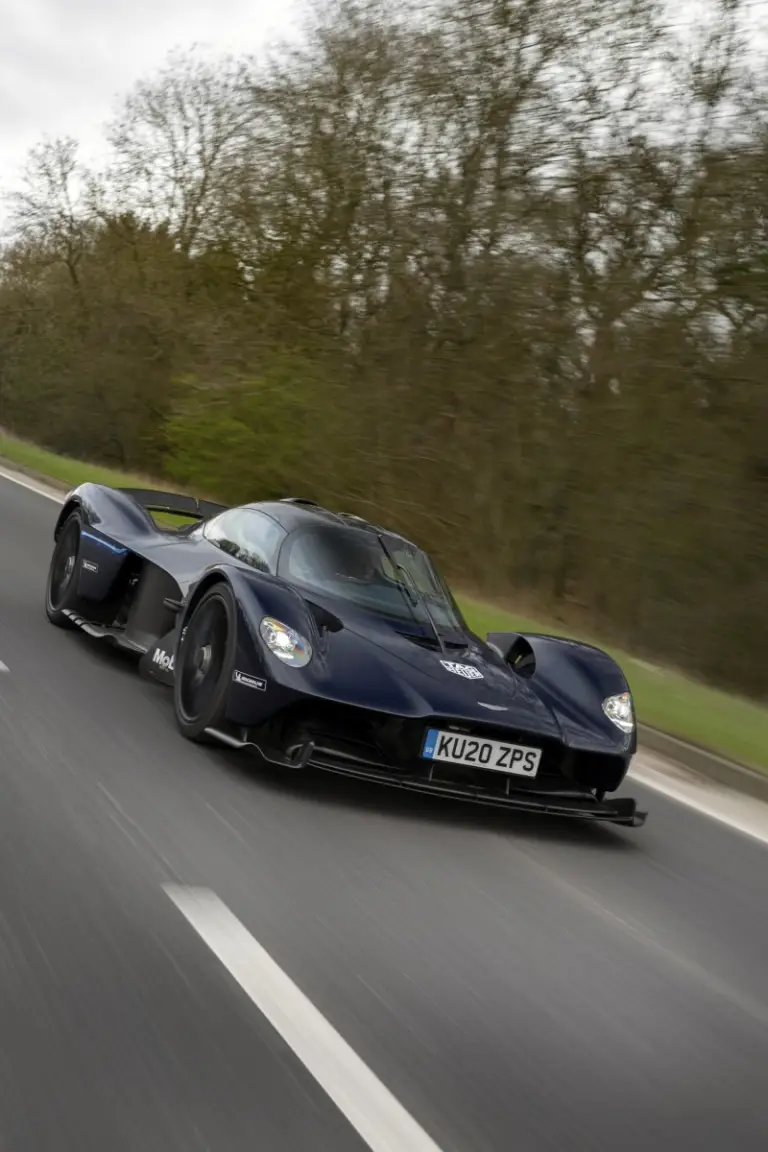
540,651
251,603
216,576
251,596
572,677
71,504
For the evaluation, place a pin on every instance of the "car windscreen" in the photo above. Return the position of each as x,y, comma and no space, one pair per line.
351,564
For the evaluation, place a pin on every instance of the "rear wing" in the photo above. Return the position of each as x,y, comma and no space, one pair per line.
174,503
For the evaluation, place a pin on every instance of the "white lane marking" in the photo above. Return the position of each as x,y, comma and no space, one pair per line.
33,486
4,667
743,813
369,1107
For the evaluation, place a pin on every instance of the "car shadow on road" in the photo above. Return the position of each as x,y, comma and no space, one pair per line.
317,788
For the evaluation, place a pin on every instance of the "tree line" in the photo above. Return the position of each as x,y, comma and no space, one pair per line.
494,271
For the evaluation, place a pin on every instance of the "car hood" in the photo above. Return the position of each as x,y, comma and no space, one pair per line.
470,683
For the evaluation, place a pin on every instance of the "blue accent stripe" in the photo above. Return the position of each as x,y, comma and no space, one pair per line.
104,543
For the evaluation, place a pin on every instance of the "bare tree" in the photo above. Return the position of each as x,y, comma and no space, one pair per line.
180,141
49,212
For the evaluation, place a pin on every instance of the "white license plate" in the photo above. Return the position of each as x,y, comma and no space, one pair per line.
493,755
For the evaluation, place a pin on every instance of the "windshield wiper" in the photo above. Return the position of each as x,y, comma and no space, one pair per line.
420,598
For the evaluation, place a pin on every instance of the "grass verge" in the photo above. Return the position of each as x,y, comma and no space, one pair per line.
729,725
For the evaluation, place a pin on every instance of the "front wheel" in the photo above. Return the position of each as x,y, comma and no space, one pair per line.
205,663
61,588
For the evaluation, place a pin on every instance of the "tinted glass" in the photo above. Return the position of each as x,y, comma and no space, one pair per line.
247,535
353,565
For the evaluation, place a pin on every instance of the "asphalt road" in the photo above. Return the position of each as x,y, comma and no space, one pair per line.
518,985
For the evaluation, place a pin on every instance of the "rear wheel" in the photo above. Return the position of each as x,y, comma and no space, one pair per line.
205,663
61,588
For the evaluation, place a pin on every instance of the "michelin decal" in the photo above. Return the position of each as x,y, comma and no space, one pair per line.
249,681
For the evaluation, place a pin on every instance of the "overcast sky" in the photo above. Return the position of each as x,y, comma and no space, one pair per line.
63,63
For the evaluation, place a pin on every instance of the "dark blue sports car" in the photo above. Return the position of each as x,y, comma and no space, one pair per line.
315,638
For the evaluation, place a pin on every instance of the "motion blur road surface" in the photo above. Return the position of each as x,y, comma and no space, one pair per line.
519,985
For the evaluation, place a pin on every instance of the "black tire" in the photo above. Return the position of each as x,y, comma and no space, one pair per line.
205,663
61,585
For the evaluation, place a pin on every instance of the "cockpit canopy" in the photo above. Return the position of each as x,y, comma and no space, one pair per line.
393,578
372,569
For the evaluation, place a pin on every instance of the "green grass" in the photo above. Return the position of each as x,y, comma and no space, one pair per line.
69,473
61,468
664,699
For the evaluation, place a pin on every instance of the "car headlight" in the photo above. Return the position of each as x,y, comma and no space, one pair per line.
619,709
285,643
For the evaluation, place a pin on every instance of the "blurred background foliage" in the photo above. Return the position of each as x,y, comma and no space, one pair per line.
494,271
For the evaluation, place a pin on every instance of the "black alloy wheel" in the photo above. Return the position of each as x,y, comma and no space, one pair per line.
61,588
205,663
